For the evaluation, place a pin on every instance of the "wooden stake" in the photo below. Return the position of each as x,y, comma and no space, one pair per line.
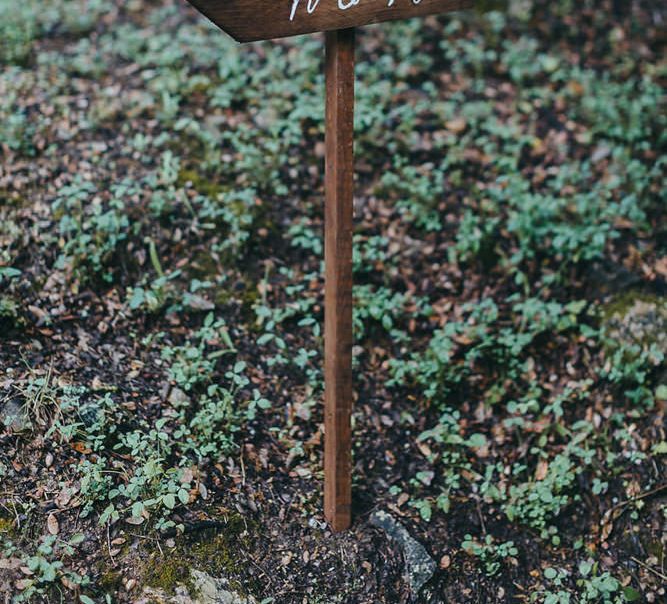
339,184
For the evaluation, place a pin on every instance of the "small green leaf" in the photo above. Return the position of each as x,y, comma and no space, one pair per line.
660,448
137,509
9,272
107,513
76,539
585,567
138,298
425,511
550,573
49,574
265,339
239,367
631,594
443,503
33,563
169,501
477,440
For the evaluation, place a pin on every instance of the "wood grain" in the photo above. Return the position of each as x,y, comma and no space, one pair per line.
338,219
250,20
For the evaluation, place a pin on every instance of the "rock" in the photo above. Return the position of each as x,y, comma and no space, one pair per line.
419,566
636,318
14,417
178,398
209,590
202,589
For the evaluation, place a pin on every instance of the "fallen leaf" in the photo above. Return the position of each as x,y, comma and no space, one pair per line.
542,469
52,524
457,125
81,448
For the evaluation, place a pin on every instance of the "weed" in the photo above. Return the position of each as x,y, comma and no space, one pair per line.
490,553
47,567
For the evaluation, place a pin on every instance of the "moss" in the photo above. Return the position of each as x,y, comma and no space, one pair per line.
215,552
7,528
168,573
199,183
638,318
485,6
203,266
249,298
9,309
654,547
12,198
621,304
246,293
110,581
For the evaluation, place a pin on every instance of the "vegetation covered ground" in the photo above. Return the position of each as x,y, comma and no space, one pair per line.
161,294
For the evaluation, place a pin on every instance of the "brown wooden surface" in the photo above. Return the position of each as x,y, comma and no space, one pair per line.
248,20
338,217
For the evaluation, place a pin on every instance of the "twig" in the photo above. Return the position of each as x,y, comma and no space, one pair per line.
252,561
649,568
614,512
481,516
621,504
113,561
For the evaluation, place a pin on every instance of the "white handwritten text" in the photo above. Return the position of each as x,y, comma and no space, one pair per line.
311,5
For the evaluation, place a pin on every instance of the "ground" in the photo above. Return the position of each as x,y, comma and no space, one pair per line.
161,300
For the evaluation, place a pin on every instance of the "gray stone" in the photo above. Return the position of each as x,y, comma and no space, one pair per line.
635,318
419,566
204,589
210,590
178,398
14,417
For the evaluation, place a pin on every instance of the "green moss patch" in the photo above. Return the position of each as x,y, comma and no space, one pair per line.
215,551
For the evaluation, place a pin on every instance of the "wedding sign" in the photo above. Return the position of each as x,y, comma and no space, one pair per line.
251,20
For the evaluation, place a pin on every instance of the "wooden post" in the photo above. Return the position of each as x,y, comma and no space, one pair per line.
338,216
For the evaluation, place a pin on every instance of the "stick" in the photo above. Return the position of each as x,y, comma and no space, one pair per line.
339,183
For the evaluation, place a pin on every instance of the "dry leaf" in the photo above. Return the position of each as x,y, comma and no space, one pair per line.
81,448
424,449
457,125
134,521
52,524
542,469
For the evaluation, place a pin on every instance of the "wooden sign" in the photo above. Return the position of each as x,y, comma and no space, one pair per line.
251,20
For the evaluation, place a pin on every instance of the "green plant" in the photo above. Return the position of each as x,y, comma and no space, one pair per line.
23,23
591,587
140,468
193,363
490,553
92,231
386,308
39,401
47,566
536,502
